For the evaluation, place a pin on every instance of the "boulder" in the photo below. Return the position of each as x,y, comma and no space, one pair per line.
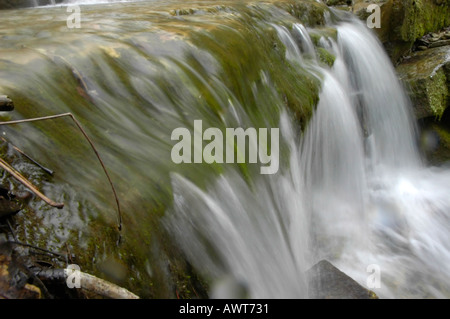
328,282
426,75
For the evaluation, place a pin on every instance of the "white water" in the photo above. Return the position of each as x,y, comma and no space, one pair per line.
37,3
96,1
355,193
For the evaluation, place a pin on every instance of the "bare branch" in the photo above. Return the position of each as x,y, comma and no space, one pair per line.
90,143
45,169
28,184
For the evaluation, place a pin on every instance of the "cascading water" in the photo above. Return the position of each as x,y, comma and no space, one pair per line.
359,195
397,189
351,187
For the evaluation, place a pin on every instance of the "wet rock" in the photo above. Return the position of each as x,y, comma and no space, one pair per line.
328,282
426,75
6,104
432,40
13,281
439,43
435,141
8,205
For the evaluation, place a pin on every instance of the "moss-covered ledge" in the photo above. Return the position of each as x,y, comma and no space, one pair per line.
426,76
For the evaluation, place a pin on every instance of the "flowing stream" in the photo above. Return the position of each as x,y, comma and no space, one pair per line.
351,186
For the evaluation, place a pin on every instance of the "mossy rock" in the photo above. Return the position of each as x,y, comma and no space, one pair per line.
326,32
325,56
426,77
402,22
310,12
407,20
423,16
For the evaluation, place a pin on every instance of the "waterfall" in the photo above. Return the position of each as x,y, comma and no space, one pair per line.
357,193
382,103
351,187
304,39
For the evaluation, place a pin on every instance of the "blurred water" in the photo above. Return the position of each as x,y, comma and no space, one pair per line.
355,193
351,187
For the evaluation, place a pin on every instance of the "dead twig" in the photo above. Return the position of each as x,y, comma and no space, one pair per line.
90,143
28,184
16,242
45,169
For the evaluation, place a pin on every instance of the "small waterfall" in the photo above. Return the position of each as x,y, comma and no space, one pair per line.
380,99
357,193
388,209
351,187
306,44
292,50
333,165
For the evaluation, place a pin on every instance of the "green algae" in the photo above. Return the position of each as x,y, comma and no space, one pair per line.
326,57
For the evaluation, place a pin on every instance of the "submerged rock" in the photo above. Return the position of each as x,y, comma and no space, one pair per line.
328,282
426,75
435,141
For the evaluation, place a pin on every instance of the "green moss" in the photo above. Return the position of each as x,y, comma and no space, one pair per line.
423,16
317,33
325,56
310,12
372,295
244,66
426,75
437,93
